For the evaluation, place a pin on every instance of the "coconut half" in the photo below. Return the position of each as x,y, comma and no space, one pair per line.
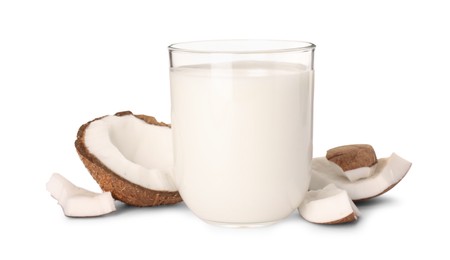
387,173
329,205
130,156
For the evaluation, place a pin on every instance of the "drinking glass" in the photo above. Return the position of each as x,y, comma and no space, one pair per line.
242,128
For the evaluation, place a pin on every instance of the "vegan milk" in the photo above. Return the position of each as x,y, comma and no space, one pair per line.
242,139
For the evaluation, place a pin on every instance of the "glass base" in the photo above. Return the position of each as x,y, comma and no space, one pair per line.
240,225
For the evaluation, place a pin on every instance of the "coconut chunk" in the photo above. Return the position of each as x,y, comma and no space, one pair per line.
329,205
130,156
387,173
355,160
79,202
353,156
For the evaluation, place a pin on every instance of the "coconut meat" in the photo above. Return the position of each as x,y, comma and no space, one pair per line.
79,202
387,172
359,173
134,150
328,205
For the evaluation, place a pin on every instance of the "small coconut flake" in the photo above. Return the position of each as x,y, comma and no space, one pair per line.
79,202
329,205
387,173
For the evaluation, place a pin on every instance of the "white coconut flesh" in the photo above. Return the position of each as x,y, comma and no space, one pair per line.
79,202
137,151
359,173
328,205
387,172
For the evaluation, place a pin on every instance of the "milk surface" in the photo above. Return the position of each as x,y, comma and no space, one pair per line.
242,139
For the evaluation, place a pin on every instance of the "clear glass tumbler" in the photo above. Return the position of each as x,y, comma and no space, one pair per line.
242,127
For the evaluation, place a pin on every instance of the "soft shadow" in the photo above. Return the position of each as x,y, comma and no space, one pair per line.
296,219
125,209
347,225
374,202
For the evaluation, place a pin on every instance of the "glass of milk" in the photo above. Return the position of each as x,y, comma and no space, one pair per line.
242,128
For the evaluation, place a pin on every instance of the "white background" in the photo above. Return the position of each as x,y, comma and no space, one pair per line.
381,78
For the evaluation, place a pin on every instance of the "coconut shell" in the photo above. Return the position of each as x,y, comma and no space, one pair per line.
350,157
120,188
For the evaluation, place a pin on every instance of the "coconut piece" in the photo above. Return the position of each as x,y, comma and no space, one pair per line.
329,205
130,156
356,160
79,202
353,156
387,173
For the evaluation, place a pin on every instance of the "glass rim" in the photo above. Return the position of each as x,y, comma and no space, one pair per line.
248,46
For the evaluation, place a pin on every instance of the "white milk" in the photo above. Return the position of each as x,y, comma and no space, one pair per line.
242,139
